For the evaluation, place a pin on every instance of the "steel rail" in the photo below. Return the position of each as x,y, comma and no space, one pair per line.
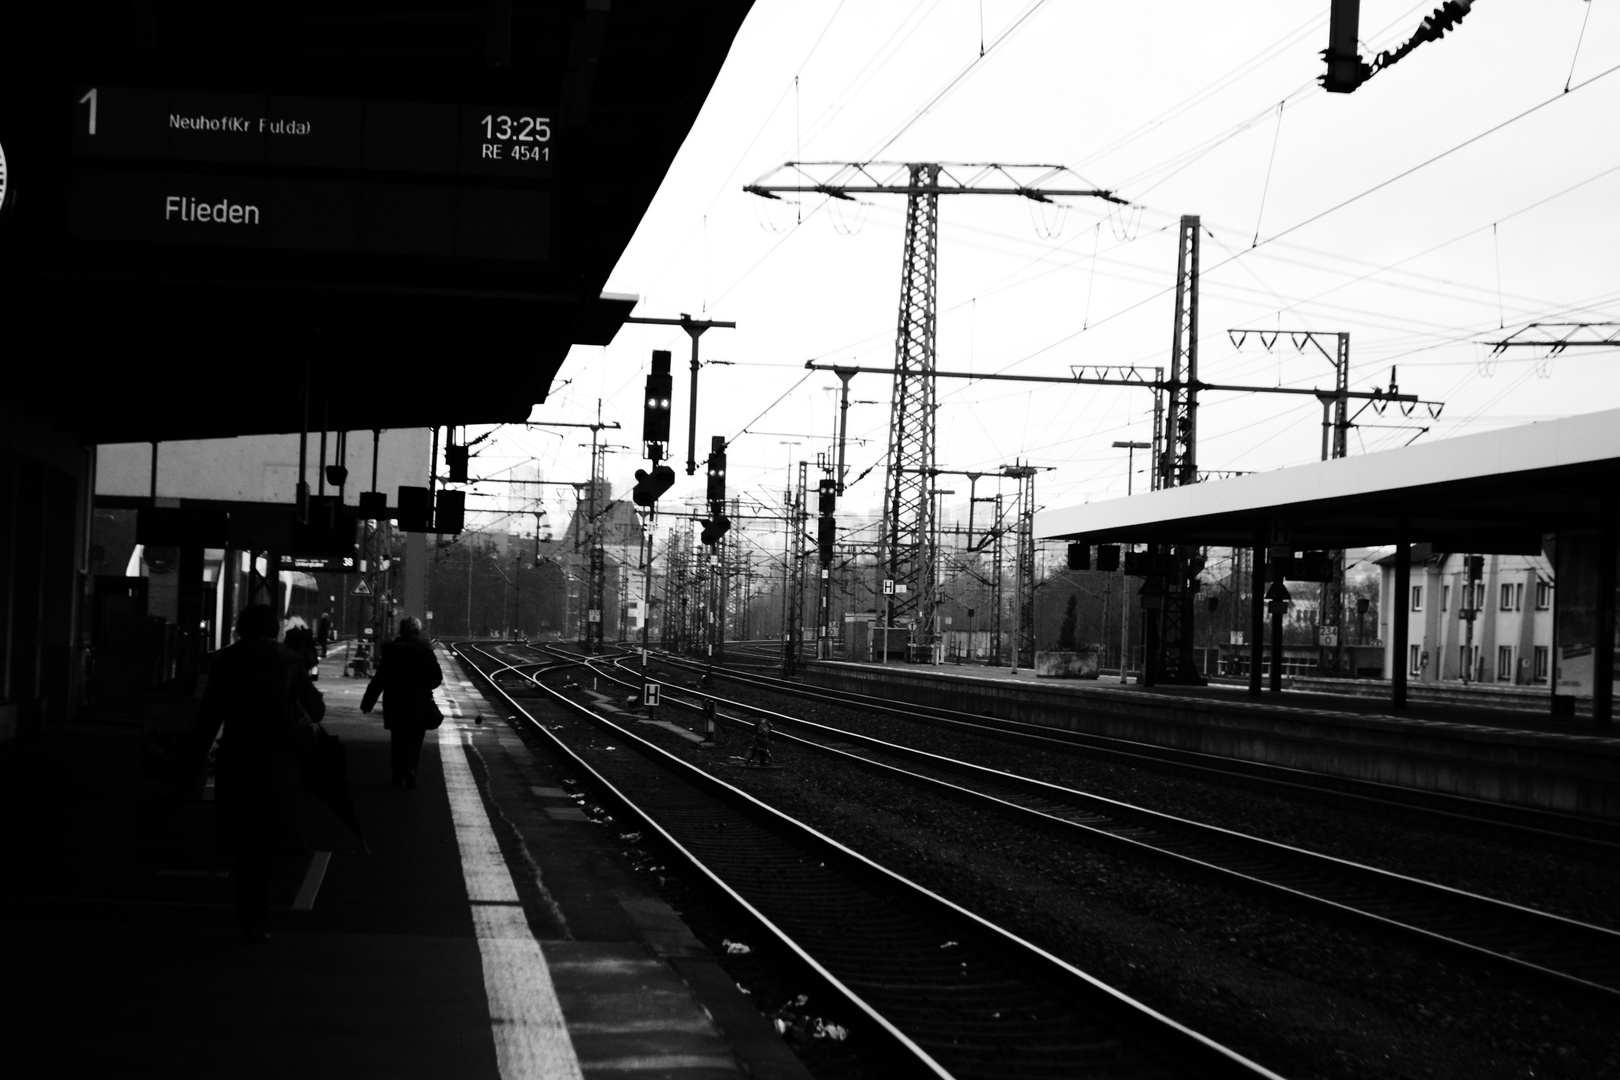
1161,1036
1569,933
1581,836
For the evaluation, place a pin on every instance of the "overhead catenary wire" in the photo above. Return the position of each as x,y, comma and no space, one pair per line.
1018,23
1319,215
1266,187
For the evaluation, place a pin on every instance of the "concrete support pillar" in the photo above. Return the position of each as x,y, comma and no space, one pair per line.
1603,643
1398,622
189,610
1277,614
1257,612
414,572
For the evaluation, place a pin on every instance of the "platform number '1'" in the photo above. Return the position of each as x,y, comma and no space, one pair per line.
90,99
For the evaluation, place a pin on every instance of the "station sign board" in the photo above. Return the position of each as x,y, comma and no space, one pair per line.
215,168
322,564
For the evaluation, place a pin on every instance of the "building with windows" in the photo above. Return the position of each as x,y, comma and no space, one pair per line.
1492,626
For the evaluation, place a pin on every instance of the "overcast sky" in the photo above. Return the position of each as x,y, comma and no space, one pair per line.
1456,197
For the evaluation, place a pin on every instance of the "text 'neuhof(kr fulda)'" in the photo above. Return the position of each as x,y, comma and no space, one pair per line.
225,212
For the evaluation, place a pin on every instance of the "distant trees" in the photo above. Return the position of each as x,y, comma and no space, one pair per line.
1066,631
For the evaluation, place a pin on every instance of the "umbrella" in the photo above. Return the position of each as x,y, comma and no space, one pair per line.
323,766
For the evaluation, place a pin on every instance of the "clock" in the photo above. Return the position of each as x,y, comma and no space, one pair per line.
8,189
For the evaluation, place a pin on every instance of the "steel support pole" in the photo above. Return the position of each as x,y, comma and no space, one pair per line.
843,422
691,413
1277,646
1398,616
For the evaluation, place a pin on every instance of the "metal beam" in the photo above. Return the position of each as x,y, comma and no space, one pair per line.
844,180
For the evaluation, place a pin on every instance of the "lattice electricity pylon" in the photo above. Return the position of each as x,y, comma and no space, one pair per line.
1179,463
1178,466
908,526
1335,444
1335,406
995,586
793,556
1024,565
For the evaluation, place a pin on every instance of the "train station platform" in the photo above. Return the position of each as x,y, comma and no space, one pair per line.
491,930
1449,743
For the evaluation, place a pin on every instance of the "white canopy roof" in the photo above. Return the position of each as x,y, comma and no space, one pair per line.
1498,487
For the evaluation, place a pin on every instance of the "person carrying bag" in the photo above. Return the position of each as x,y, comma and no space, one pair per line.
407,674
260,695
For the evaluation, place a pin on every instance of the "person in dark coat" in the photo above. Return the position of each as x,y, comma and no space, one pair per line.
323,632
260,693
302,643
407,674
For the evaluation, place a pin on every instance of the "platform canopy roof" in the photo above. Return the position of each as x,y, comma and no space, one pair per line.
1497,491
418,283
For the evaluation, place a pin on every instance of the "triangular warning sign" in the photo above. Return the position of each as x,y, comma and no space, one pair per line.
361,588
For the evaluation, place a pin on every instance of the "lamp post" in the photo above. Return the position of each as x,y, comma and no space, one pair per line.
1130,449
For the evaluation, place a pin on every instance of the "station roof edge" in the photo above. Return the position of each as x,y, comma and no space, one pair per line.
1513,479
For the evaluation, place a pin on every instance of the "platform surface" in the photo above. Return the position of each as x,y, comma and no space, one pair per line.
492,931
1460,719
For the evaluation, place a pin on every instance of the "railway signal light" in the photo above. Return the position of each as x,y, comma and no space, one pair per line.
455,464
826,524
714,528
1108,558
1079,557
717,469
655,412
650,485
451,514
415,513
1476,567
826,538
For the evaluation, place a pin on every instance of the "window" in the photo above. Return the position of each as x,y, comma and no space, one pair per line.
1504,663
1417,598
1512,597
1543,658
1445,597
1416,665
1543,595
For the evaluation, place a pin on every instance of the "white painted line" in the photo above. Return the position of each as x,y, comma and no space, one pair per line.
313,877
526,1021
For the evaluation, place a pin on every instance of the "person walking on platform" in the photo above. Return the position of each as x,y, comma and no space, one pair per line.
407,674
302,643
323,632
261,694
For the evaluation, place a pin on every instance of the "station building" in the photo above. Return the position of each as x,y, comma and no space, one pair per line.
1509,602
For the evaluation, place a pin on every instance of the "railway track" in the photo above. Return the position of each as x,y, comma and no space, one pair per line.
1542,829
1572,957
936,990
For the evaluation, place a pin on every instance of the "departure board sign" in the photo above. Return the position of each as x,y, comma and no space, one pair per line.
310,173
